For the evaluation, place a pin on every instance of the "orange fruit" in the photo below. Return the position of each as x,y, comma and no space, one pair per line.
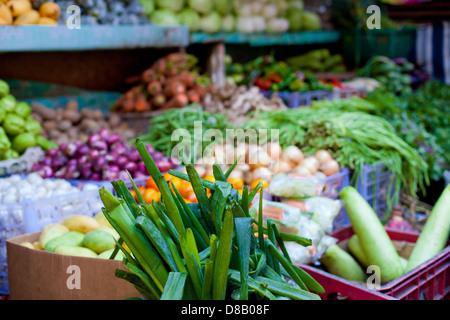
167,176
210,178
150,183
191,197
186,188
133,193
151,194
177,183
237,183
142,189
255,182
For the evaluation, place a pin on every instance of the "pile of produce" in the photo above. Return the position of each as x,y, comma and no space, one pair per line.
26,12
171,82
371,245
353,138
319,60
18,130
396,75
16,188
70,124
186,146
206,250
105,157
420,118
95,12
247,16
270,75
79,235
262,163
238,102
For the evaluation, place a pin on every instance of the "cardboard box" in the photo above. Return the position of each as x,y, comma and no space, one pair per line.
41,275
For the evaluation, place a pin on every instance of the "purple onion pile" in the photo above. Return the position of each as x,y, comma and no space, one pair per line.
105,157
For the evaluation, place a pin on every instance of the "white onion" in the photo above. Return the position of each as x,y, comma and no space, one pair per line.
274,150
323,156
330,168
302,171
282,167
311,163
262,173
292,154
259,159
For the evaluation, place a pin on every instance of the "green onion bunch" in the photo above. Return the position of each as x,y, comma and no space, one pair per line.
206,250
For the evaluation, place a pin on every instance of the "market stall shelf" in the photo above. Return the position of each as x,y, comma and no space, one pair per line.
262,39
61,38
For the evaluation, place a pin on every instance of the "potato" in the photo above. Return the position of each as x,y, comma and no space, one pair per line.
72,116
72,105
49,125
64,125
46,113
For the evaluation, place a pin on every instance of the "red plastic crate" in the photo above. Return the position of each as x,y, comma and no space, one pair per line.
429,281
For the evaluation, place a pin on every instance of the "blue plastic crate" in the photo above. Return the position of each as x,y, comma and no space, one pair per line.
31,216
295,100
376,184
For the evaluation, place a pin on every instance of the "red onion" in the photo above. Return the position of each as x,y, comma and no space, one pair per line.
52,152
93,154
164,165
112,139
46,161
130,167
99,163
149,148
70,150
119,149
58,161
113,168
95,176
134,155
62,146
94,138
99,145
121,161
104,134
141,167
82,150
123,175
60,173
46,172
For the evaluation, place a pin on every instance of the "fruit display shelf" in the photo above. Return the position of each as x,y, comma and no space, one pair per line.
61,38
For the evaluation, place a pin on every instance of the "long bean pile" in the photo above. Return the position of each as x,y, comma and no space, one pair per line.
354,138
205,250
162,127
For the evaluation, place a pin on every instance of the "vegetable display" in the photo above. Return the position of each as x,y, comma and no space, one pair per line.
70,124
247,16
269,74
18,130
15,188
79,235
211,242
238,102
171,82
319,60
353,138
105,157
191,147
26,12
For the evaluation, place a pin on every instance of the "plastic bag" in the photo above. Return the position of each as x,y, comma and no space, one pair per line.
284,185
324,210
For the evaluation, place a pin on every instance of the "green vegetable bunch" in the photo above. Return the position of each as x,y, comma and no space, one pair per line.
205,250
162,127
